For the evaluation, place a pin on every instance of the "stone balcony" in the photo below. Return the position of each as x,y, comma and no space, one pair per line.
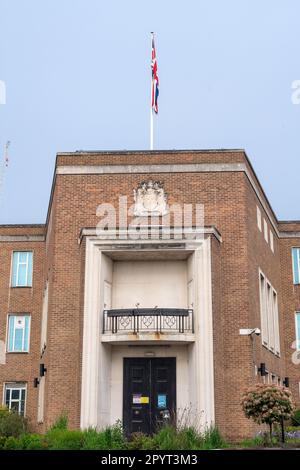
162,325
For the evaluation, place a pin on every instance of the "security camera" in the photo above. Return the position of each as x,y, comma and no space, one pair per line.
250,331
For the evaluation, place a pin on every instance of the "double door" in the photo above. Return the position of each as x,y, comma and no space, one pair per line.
149,393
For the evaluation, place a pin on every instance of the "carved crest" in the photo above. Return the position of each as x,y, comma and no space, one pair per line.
150,199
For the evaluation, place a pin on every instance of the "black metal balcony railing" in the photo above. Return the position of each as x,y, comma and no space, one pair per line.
157,320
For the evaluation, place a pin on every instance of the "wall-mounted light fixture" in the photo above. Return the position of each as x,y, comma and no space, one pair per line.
43,370
36,382
286,382
262,369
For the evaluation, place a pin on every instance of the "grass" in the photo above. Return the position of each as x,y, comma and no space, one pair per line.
292,439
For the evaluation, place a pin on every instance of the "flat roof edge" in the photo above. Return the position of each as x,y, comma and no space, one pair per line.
138,152
22,226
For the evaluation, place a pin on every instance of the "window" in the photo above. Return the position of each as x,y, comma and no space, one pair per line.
276,323
44,319
271,241
258,214
296,263
269,315
266,230
22,269
263,310
18,333
297,330
15,396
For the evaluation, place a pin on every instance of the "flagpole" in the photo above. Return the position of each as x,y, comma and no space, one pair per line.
151,110
151,129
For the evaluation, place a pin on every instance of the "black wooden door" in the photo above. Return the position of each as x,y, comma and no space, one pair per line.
149,393
163,391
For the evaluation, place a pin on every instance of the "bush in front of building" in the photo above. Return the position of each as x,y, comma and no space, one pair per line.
268,404
296,418
11,423
185,438
64,439
59,437
24,442
112,437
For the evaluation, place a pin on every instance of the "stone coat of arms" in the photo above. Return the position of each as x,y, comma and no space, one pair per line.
150,199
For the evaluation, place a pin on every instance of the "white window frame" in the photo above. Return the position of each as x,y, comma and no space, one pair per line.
258,217
263,309
298,264
271,241
15,386
266,230
276,322
14,351
269,315
18,264
296,330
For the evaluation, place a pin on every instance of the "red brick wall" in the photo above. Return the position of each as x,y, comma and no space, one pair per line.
230,205
291,304
22,367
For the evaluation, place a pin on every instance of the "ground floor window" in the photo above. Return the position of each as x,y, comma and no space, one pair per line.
15,397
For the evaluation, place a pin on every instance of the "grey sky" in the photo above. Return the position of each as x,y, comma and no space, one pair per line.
77,76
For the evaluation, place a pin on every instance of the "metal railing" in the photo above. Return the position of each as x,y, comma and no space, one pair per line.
156,320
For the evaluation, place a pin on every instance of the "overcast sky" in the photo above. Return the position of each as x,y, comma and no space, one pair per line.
77,76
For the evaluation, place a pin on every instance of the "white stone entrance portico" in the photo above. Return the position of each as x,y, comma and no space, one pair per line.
119,274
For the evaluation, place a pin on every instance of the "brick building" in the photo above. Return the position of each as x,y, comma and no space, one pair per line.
105,325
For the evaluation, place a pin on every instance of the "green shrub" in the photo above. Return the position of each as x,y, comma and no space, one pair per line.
93,440
292,428
2,442
254,442
269,404
166,439
33,442
113,438
12,443
187,438
61,422
260,440
64,439
140,441
212,439
11,423
296,418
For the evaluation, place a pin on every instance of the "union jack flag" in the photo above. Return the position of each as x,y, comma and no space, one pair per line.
155,81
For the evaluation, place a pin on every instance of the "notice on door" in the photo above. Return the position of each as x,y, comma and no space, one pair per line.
138,399
161,401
